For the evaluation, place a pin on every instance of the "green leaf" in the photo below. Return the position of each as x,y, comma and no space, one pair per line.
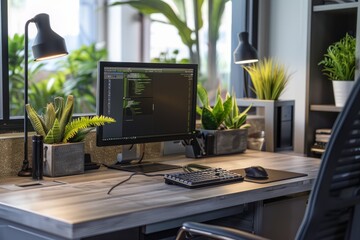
73,128
199,110
59,106
49,116
67,113
180,6
199,4
80,136
218,110
36,121
157,6
208,119
227,108
54,134
203,95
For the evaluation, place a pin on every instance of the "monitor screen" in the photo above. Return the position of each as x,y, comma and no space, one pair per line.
149,101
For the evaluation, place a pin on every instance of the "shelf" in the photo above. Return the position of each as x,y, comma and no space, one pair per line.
317,150
325,108
335,6
328,23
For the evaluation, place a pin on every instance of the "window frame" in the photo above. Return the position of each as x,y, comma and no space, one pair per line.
6,124
244,9
15,124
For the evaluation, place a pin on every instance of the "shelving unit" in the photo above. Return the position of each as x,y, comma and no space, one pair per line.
328,23
325,108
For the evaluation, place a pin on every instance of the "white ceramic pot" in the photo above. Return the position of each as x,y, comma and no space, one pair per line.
342,91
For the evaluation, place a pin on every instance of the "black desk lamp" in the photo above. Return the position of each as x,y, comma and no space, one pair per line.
47,45
245,53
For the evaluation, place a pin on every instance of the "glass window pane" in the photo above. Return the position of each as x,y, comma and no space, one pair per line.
81,23
215,53
77,22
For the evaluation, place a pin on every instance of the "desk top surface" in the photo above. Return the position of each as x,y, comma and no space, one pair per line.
78,206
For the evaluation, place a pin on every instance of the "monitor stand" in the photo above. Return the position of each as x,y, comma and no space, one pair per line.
130,159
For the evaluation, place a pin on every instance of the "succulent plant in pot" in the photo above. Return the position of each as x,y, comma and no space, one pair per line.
63,135
57,125
339,66
223,122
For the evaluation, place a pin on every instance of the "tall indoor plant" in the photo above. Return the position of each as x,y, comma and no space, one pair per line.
339,66
63,136
175,15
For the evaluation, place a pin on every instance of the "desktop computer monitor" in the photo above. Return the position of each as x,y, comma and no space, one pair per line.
151,102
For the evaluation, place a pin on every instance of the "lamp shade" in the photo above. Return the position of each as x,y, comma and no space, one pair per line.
244,52
47,43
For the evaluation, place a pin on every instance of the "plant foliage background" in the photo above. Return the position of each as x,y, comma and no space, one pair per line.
76,74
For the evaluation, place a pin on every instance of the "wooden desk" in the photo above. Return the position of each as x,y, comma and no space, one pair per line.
79,206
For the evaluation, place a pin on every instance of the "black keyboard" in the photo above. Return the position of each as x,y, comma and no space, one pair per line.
202,178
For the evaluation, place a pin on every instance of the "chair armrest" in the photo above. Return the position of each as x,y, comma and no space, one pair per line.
216,232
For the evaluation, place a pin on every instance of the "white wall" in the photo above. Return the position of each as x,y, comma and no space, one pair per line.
283,34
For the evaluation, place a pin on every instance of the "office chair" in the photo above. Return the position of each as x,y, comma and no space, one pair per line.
333,210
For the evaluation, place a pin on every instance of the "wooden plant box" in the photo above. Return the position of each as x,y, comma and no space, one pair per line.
63,159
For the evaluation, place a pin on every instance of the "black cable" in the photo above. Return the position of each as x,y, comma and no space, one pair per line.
142,157
131,175
194,167
187,168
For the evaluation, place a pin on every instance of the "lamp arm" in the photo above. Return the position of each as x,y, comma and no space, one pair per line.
25,171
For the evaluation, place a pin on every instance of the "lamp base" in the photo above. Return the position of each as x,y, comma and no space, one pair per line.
27,172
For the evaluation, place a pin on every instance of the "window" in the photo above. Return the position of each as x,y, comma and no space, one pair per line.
214,38
94,31
73,74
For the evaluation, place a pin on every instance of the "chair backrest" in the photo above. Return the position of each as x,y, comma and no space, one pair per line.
333,210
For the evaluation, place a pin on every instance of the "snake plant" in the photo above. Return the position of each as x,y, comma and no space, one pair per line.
56,125
224,114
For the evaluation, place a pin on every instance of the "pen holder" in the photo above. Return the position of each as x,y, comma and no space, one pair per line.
37,157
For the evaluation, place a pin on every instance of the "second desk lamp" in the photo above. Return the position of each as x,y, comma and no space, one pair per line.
245,53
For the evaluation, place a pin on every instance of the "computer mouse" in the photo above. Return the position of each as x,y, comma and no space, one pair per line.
256,172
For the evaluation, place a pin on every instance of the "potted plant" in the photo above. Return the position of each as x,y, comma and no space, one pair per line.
339,66
223,126
270,78
63,136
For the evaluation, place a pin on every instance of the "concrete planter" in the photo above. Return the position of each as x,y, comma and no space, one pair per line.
63,159
220,142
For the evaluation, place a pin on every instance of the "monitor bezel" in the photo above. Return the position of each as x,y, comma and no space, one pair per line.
147,139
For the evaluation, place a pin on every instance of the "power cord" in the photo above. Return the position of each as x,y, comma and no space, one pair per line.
187,168
130,176
191,167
